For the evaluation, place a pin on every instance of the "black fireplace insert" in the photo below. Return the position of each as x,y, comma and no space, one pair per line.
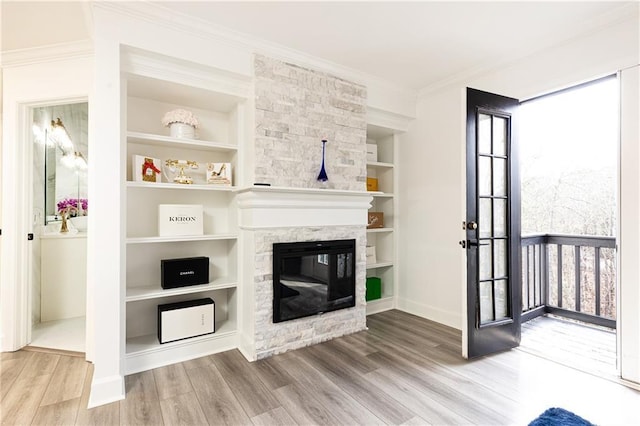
310,278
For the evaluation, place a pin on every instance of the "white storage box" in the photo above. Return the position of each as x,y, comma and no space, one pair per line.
371,255
182,320
180,220
372,152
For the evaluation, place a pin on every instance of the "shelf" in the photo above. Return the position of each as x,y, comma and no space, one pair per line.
181,238
155,291
379,305
373,230
303,191
384,200
380,165
167,185
380,264
154,85
381,194
168,141
149,343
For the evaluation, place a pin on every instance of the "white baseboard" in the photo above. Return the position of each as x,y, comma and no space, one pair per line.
247,349
449,318
107,390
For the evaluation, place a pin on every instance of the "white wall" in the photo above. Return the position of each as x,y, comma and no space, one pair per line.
1,180
24,86
432,164
432,201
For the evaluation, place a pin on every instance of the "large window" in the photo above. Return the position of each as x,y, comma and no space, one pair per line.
568,163
568,143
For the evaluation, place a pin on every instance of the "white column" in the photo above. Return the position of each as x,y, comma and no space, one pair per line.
629,227
105,241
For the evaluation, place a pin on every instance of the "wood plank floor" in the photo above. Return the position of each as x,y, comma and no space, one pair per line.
403,370
577,345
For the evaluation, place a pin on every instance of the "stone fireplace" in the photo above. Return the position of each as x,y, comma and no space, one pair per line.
295,109
284,215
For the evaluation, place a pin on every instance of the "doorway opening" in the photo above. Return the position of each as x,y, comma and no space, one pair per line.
568,165
59,213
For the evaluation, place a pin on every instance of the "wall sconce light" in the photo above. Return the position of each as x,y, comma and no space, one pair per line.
74,160
61,137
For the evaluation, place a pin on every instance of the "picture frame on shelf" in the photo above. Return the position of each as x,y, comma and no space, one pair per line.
219,174
375,220
146,169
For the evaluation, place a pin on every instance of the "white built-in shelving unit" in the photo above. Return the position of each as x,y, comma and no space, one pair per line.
152,86
385,201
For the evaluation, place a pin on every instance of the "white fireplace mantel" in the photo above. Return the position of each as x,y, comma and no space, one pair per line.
275,207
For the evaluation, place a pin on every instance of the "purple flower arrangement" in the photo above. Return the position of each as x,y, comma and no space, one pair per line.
73,206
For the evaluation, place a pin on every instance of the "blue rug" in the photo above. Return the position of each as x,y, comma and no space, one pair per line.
559,417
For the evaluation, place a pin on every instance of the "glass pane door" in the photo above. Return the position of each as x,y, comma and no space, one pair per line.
493,221
492,225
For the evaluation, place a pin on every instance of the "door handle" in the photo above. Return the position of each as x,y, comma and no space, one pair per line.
476,243
472,226
471,243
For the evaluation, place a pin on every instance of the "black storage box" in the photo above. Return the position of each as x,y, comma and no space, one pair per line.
184,272
182,320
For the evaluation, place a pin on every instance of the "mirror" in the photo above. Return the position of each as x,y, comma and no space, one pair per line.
60,165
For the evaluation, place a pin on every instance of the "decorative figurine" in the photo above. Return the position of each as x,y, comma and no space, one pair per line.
180,165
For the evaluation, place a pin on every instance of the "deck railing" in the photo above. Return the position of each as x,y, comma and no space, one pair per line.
569,275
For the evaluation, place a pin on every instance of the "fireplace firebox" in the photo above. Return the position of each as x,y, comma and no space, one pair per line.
311,278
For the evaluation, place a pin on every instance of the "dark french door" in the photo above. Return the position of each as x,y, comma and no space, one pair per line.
492,225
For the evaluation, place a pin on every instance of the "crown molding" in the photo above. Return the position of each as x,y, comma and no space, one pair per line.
388,120
52,52
157,13
627,12
162,67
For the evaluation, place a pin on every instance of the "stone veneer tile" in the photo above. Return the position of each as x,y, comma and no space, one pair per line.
273,338
295,109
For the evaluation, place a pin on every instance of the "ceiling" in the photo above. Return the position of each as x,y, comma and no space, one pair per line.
27,24
414,44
